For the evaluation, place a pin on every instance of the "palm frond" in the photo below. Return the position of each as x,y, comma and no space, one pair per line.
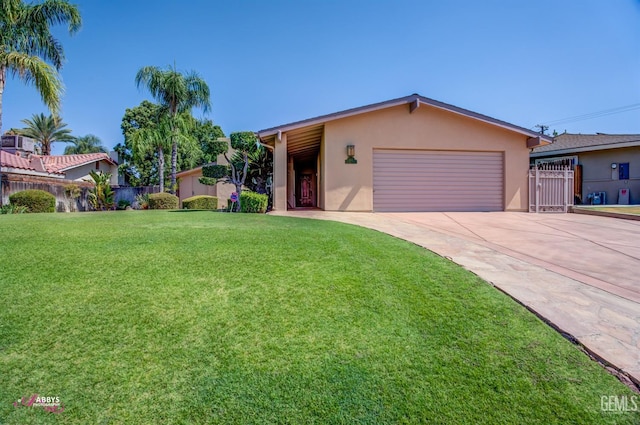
33,70
46,130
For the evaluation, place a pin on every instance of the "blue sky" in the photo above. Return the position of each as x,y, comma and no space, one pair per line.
272,62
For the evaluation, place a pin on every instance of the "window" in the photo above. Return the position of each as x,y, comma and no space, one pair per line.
97,165
623,171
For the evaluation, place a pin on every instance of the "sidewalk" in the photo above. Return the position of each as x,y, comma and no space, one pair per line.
606,324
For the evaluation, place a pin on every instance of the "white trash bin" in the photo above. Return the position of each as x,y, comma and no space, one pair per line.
623,197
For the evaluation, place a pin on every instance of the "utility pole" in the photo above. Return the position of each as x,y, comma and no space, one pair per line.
543,128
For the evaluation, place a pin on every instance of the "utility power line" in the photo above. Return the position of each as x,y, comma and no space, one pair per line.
593,115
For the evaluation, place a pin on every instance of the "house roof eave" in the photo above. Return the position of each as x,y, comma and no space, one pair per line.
583,149
12,170
414,100
106,159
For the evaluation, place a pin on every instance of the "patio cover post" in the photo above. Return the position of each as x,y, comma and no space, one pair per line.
280,173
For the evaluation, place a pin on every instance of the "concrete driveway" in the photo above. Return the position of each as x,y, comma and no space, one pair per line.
580,273
598,251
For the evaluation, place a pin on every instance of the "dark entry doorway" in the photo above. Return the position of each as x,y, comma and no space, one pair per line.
306,184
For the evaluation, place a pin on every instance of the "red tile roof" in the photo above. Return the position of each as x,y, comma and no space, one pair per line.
57,163
54,164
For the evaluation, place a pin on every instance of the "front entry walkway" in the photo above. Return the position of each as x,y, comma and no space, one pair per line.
581,273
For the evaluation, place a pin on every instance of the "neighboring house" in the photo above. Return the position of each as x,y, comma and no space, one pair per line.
605,163
406,154
188,184
63,167
21,169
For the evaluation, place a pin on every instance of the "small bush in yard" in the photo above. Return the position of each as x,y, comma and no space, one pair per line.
251,202
200,202
13,209
163,201
143,201
35,201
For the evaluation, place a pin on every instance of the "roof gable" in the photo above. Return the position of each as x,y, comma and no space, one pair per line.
57,163
414,101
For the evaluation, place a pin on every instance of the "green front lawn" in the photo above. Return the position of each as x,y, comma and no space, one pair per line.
200,317
634,210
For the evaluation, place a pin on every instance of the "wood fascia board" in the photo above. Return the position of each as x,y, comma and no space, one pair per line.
414,105
11,170
534,141
325,118
414,101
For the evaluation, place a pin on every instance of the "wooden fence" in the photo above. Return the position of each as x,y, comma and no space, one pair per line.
551,188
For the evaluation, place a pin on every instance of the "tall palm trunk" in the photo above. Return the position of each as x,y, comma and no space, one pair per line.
174,162
3,78
46,148
173,111
161,168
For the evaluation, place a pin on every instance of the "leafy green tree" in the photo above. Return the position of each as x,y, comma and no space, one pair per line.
46,130
138,170
29,50
243,143
209,138
152,139
85,144
156,138
201,148
176,93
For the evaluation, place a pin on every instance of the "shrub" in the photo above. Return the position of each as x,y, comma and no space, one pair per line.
163,201
72,192
35,201
208,181
101,197
13,209
251,202
143,201
200,202
123,204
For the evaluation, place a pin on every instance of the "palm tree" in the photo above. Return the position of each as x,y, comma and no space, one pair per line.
45,130
85,144
156,139
29,51
176,93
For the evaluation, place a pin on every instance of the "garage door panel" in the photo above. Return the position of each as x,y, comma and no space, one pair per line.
422,180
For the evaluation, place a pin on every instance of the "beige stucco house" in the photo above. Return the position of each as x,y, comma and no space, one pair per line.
406,154
189,184
607,165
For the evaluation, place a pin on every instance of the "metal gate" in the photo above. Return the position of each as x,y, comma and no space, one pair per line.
551,188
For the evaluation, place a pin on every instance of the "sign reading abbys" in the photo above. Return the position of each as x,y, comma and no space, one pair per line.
234,197
49,404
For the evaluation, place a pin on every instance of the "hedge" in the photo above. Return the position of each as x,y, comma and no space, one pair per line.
35,201
251,202
200,202
163,201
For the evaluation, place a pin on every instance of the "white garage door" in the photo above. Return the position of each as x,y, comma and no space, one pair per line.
420,180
